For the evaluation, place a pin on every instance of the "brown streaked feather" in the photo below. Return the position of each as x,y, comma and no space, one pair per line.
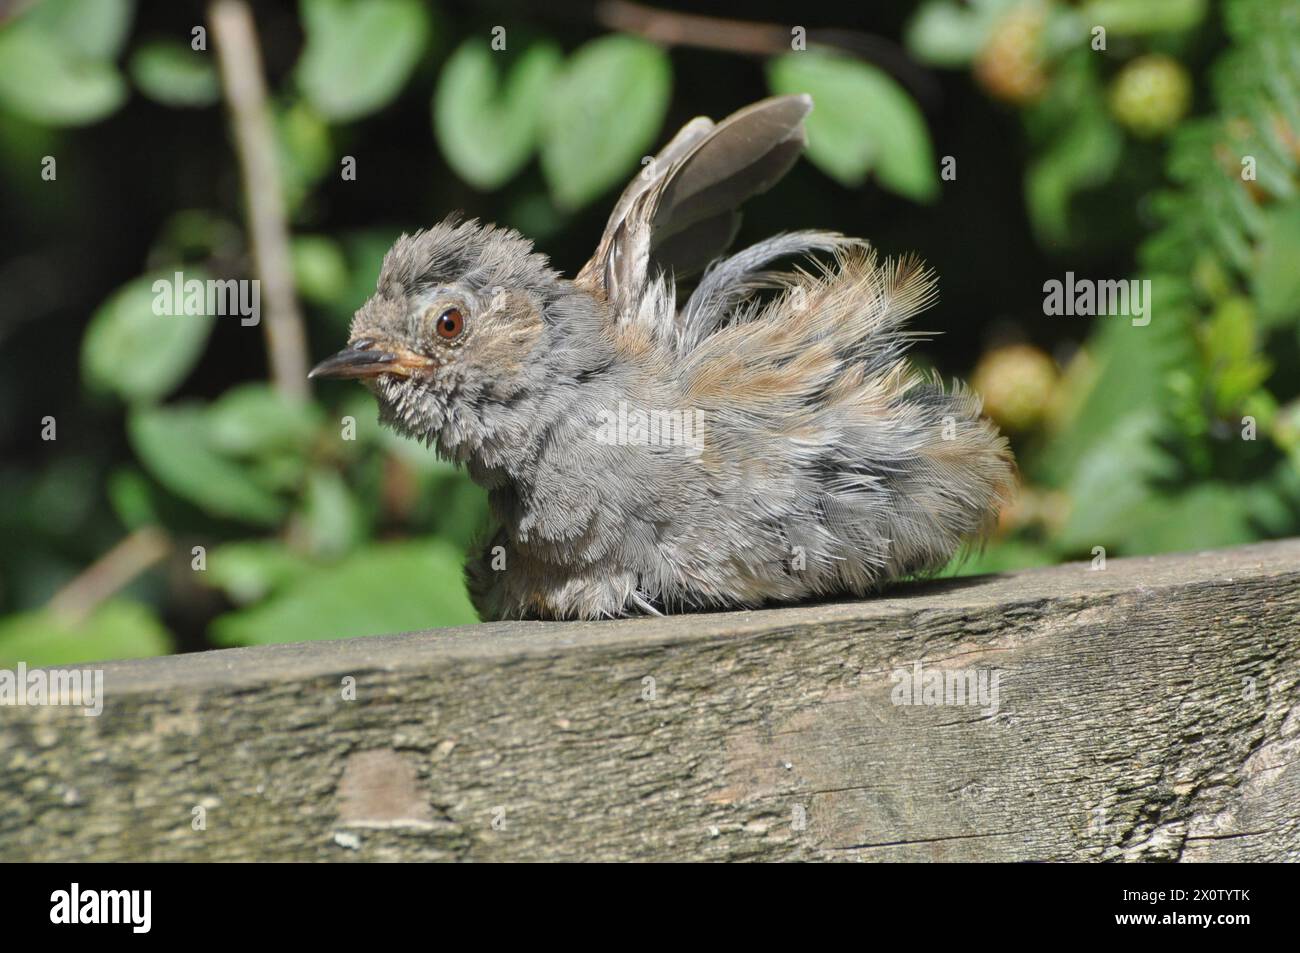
683,252
745,155
682,215
596,273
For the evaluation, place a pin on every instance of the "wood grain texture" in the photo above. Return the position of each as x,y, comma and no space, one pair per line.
1149,711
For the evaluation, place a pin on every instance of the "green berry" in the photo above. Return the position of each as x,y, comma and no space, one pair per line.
1017,382
1150,95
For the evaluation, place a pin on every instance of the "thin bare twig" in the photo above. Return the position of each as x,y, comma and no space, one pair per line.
235,36
110,573
671,28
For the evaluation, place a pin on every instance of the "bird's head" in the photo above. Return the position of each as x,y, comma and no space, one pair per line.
455,334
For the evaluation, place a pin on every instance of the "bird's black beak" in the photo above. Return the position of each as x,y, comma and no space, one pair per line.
362,359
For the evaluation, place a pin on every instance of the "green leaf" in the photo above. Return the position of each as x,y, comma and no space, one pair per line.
460,507
131,351
252,419
1276,277
1113,482
139,501
1083,156
359,53
396,587
1230,334
331,520
602,116
320,269
172,73
1130,366
1126,18
117,629
861,121
304,150
1205,516
132,498
535,215
1231,340
175,445
48,83
487,126
95,29
1108,458
948,33
999,556
250,570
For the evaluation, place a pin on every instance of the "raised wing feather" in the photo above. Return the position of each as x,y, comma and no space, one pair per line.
681,212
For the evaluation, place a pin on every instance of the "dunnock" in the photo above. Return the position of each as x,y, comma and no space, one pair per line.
765,441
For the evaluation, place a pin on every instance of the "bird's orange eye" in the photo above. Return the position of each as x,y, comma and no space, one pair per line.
450,323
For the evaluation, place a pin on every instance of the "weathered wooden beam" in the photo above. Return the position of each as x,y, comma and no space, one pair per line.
1150,710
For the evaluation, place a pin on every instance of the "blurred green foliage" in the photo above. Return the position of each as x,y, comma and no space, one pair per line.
290,521
1166,436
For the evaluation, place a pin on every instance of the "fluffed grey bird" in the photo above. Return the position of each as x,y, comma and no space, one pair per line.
765,442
